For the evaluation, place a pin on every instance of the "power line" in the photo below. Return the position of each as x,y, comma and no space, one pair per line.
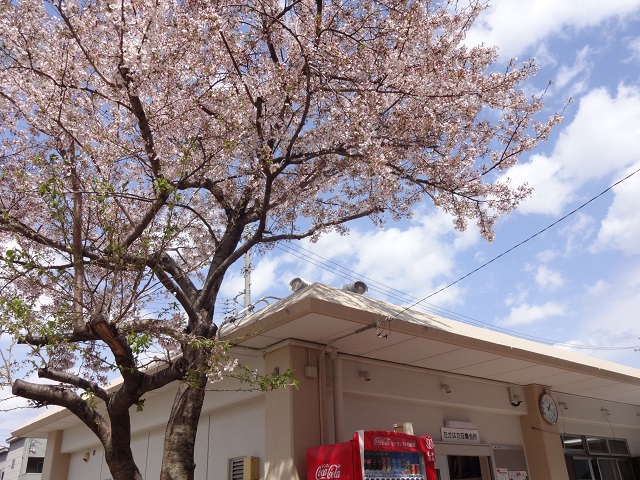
393,293
433,309
525,240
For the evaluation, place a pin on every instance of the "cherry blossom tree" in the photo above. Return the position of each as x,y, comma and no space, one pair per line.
149,144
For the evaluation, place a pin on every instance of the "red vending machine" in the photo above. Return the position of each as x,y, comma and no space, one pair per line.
374,455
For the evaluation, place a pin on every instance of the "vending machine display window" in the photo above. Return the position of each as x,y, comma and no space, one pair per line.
374,455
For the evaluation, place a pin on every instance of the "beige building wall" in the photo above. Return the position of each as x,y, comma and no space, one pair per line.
291,415
542,441
278,427
56,464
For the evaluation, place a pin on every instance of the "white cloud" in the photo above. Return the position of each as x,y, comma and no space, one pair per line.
516,298
634,48
568,73
408,259
577,232
548,279
608,317
600,142
514,26
550,192
525,313
598,288
547,255
620,229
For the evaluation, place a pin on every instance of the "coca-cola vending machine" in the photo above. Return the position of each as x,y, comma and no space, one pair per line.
374,455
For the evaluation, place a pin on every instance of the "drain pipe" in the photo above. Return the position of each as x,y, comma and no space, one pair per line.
321,389
337,385
338,400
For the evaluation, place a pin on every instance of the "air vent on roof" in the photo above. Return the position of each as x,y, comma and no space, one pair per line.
356,287
298,284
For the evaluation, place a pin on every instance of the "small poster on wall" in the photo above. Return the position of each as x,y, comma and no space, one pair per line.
502,474
518,475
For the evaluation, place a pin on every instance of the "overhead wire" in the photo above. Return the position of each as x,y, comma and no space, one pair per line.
432,309
531,237
399,295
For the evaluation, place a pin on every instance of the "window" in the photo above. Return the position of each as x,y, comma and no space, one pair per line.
618,447
573,443
608,469
582,469
13,463
597,445
598,458
35,464
626,469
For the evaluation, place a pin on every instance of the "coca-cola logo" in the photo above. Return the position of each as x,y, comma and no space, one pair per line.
389,442
327,472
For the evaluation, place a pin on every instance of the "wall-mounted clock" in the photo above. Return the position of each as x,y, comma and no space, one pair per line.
548,408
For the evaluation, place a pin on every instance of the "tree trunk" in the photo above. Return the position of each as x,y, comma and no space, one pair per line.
180,434
118,454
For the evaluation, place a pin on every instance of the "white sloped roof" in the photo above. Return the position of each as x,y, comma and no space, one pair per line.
371,328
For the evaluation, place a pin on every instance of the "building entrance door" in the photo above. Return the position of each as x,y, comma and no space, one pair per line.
462,467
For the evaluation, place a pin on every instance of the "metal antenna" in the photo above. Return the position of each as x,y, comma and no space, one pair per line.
247,280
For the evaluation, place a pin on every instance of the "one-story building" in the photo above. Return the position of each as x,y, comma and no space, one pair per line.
498,407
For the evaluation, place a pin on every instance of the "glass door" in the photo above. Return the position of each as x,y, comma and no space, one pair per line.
582,469
462,467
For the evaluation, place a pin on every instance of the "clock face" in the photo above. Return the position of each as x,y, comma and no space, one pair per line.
548,408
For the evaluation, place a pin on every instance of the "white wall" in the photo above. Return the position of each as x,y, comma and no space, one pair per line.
399,394
230,431
14,456
584,416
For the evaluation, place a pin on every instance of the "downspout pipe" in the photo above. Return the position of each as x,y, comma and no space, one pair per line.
338,396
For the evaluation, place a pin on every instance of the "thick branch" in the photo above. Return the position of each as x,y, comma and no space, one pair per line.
168,283
78,259
65,377
132,391
148,217
71,338
56,395
122,353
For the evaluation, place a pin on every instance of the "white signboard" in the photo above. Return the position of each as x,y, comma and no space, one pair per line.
518,475
502,474
459,435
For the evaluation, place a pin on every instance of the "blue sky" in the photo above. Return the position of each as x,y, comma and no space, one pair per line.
576,283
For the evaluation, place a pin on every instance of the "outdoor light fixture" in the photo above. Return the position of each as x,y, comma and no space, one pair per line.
298,284
365,375
513,398
563,405
605,412
445,388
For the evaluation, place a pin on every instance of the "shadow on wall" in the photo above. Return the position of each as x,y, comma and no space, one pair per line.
281,469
